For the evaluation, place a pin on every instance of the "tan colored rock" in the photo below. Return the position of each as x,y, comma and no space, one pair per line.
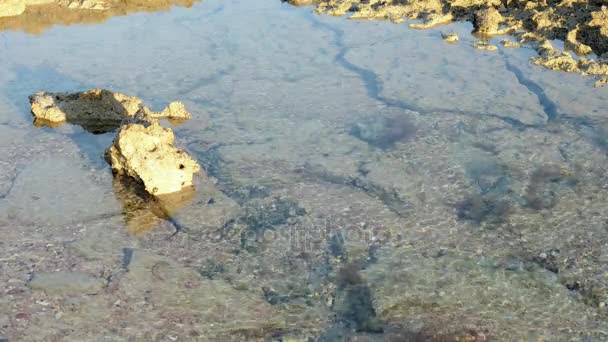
481,45
146,153
573,44
85,4
449,37
96,110
487,21
302,2
510,44
175,110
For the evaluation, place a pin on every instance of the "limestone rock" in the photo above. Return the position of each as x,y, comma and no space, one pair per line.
96,110
482,45
84,4
487,21
573,44
145,152
302,2
449,37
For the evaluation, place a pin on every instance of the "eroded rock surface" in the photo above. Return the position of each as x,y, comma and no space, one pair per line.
581,24
96,110
145,152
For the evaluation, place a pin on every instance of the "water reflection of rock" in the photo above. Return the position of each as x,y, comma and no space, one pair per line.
35,16
143,211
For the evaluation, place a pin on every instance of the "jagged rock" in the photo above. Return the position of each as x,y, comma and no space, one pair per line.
482,45
573,44
96,110
145,152
509,44
449,37
84,4
487,21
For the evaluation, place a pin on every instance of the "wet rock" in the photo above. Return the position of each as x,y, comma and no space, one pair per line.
143,211
509,44
595,32
545,183
449,37
58,191
482,45
222,312
581,24
573,44
354,302
67,283
96,110
479,208
385,131
262,215
487,21
302,2
85,4
145,152
555,59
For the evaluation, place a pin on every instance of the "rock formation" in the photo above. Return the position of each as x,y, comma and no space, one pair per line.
96,110
145,152
142,149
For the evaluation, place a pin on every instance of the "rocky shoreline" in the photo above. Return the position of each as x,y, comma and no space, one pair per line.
581,24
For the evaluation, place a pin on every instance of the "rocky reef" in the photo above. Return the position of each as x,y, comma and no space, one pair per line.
581,24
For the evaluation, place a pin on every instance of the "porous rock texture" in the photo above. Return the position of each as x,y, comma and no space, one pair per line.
581,24
97,110
145,152
142,149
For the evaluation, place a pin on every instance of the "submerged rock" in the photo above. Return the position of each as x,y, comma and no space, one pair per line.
142,149
449,37
482,45
145,152
581,24
67,283
302,2
558,60
96,110
385,131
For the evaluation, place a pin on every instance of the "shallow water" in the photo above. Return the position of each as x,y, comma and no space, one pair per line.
366,182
